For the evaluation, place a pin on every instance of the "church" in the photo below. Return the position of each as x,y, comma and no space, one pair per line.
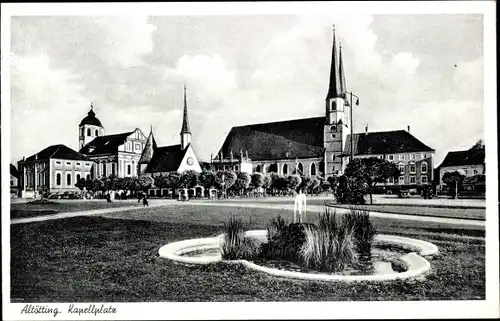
321,146
131,154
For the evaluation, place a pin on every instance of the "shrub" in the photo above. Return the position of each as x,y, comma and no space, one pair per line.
364,231
275,228
284,240
234,244
330,246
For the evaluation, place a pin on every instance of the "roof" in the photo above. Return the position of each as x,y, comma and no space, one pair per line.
335,86
298,138
464,157
390,142
57,151
105,144
149,147
13,171
90,119
166,159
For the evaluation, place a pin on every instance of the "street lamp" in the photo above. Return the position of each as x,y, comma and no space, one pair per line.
350,105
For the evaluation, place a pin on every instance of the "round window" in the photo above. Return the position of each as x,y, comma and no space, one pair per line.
333,128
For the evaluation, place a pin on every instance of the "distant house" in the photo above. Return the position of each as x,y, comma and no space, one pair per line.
56,168
14,180
469,162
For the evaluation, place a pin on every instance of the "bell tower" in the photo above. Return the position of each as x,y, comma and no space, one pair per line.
185,131
335,128
89,128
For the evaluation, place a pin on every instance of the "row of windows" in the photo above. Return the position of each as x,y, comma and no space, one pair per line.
284,169
407,156
413,167
129,145
69,181
412,180
69,163
89,132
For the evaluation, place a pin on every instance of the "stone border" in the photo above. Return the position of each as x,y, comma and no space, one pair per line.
415,264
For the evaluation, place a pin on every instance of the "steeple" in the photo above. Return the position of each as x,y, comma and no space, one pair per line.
185,131
343,87
334,89
149,147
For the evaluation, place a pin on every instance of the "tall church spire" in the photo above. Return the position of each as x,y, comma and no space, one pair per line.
334,89
185,131
343,87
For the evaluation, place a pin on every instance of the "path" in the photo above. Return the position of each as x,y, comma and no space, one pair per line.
310,209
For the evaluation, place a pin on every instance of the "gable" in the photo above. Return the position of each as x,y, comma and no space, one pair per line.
189,156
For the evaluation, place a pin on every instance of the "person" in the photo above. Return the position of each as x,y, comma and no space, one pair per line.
139,197
108,197
145,201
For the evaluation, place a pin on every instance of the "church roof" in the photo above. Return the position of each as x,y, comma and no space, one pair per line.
57,151
13,171
166,159
91,119
149,148
105,144
185,121
389,142
463,157
298,138
335,86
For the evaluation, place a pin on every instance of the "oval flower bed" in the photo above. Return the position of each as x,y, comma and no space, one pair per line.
332,250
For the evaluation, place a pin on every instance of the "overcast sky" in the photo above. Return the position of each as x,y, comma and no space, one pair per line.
425,71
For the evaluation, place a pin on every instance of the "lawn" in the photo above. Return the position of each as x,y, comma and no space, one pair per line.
21,210
462,212
115,258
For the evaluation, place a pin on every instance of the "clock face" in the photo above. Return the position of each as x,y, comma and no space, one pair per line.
190,161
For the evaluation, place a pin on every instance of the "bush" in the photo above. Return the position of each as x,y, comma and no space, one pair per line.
284,240
364,232
234,244
330,246
350,191
275,228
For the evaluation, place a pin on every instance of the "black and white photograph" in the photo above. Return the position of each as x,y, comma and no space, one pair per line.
249,160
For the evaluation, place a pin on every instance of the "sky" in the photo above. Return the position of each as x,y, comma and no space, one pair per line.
422,71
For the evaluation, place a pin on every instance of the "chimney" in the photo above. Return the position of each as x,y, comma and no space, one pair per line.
408,128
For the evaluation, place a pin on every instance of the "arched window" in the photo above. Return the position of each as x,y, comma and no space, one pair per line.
257,169
313,169
424,167
77,177
96,132
133,166
285,169
104,169
401,168
68,179
300,168
129,169
113,168
412,167
88,176
58,179
88,131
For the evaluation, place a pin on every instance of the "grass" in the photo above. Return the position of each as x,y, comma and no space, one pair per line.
235,245
359,221
114,258
21,210
329,247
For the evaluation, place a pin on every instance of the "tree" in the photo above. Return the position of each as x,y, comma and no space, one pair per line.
145,182
454,181
81,183
89,185
306,183
189,179
256,180
315,184
225,179
332,182
371,171
207,179
242,181
97,185
293,181
350,190
172,180
267,182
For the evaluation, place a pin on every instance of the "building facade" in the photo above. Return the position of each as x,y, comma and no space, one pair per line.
468,162
321,145
116,154
56,168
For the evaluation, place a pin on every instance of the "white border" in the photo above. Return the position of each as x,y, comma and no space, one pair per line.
269,310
